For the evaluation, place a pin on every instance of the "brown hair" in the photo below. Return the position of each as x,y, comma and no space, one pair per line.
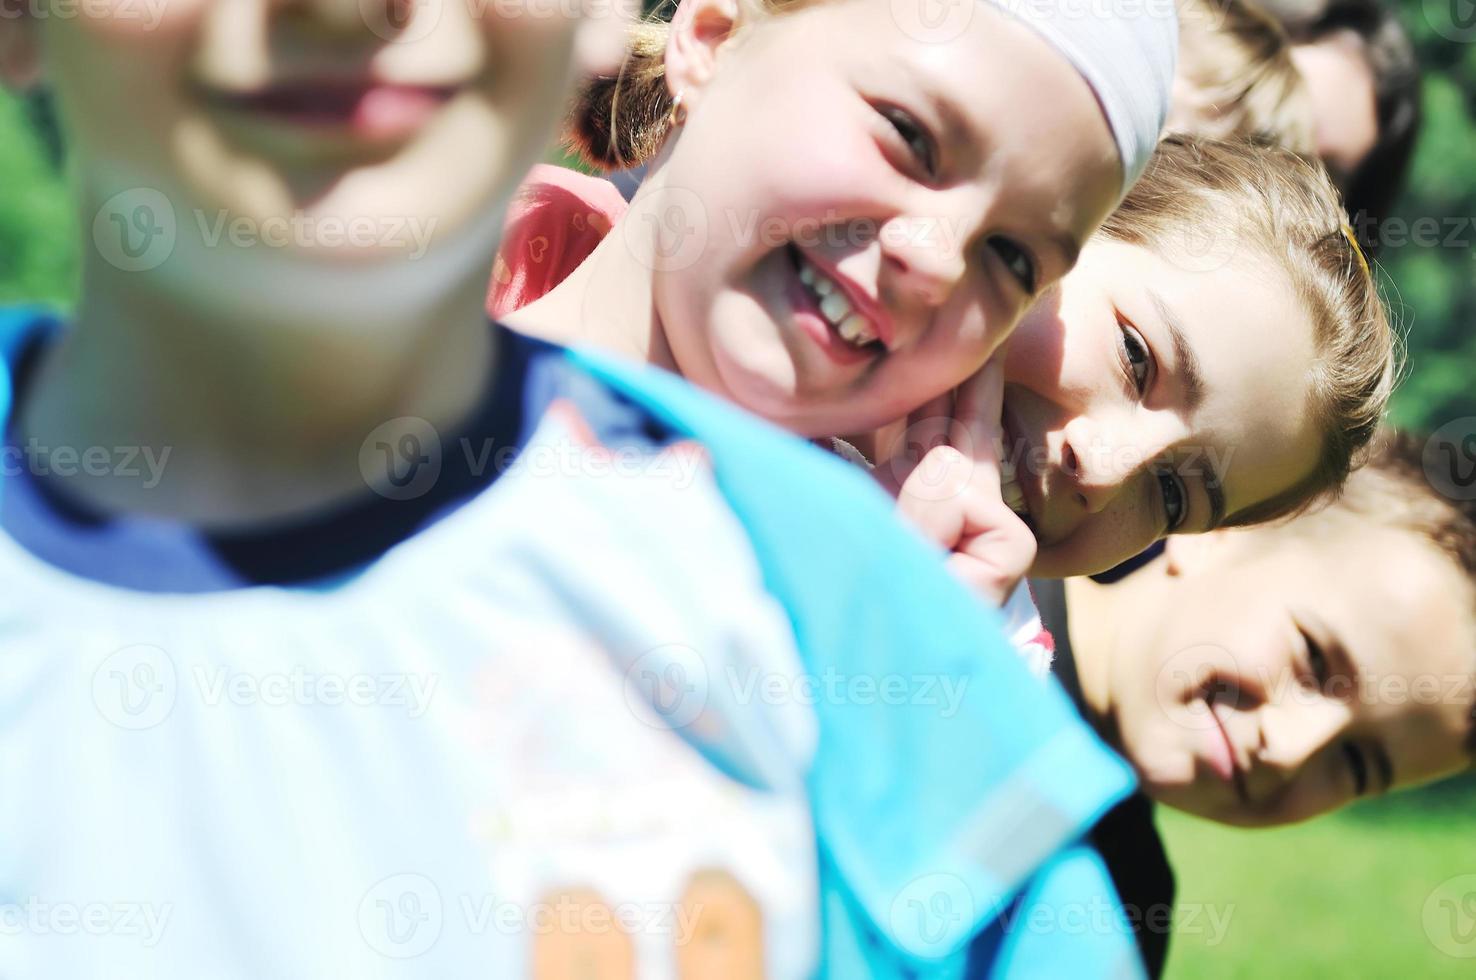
620,121
1247,196
1237,59
1398,490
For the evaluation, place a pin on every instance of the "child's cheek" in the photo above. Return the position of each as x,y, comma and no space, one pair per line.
121,87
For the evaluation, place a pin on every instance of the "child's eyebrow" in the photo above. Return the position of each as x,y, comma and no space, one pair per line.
1191,377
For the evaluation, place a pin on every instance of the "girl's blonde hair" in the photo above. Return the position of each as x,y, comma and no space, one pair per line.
620,121
1237,58
1245,197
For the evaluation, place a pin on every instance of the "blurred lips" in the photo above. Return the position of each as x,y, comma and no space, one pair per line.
1221,752
366,109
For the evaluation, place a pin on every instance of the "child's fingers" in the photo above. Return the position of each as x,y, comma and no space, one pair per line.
977,407
926,428
995,549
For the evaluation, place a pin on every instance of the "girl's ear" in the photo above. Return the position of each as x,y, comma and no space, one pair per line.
20,49
698,29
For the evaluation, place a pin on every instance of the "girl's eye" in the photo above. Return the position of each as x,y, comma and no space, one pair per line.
1136,358
1357,766
1317,662
918,141
1174,497
1018,261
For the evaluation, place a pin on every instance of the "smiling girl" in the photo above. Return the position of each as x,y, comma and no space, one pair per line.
847,213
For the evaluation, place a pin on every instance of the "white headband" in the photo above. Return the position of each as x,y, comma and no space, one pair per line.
1126,51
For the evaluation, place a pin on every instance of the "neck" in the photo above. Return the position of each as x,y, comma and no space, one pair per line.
1098,615
608,301
259,404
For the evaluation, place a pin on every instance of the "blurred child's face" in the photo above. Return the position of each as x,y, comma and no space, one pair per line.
936,183
330,128
1342,89
1283,673
1142,399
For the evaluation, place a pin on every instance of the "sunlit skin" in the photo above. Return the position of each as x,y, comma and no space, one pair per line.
1122,435
1341,85
943,184
1338,655
263,363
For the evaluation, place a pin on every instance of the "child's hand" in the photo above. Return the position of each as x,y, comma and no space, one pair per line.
945,474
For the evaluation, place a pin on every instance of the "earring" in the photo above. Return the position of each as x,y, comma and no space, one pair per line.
678,116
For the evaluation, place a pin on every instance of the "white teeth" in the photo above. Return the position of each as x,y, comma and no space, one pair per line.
1009,488
835,307
854,329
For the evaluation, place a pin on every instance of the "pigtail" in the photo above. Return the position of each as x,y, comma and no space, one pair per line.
619,121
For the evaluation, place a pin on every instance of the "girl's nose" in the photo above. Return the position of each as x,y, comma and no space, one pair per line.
1297,728
920,256
1094,464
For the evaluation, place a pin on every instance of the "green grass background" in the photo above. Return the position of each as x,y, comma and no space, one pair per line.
1338,897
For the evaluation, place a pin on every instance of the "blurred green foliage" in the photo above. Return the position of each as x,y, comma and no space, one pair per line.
1431,282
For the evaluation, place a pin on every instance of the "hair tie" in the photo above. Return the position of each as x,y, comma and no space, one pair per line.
1352,237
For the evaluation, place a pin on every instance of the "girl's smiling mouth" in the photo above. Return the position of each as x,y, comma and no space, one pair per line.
829,309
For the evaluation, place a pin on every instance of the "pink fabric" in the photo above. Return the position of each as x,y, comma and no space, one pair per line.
555,221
